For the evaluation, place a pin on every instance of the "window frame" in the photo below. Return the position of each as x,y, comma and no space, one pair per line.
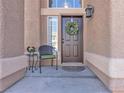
48,30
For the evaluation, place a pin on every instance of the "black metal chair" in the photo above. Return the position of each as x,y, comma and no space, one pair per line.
47,52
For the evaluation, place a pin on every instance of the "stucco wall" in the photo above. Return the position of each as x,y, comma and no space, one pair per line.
43,32
105,29
105,49
105,37
117,28
1,27
99,28
12,57
12,28
44,3
32,23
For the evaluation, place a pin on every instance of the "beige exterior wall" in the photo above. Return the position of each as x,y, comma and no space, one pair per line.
105,42
117,28
98,32
12,59
44,3
43,32
1,32
11,28
32,23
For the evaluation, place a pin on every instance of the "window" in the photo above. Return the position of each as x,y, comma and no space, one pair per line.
65,3
52,31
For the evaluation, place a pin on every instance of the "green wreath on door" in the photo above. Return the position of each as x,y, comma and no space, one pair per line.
72,28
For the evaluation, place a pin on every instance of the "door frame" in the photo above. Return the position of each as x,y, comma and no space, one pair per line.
60,43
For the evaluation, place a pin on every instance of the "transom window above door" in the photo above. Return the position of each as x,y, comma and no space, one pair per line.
65,3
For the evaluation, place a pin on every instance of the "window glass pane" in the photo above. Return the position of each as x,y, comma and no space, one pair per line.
53,31
52,3
70,3
65,3
78,3
60,3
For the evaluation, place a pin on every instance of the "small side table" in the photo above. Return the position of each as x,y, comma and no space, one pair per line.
32,64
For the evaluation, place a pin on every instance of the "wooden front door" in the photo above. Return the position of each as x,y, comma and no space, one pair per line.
72,48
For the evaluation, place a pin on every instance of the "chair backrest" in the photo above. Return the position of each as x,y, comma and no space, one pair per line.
46,50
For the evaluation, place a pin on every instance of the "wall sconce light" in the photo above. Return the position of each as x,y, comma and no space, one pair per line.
89,11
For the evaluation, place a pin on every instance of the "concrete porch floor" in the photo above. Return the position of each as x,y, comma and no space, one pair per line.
37,83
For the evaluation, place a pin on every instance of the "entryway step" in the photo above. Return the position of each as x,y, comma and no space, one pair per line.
72,64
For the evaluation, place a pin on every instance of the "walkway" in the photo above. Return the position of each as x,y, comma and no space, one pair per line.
51,81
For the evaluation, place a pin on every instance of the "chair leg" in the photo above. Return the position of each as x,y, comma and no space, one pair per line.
56,64
40,67
29,65
33,64
36,63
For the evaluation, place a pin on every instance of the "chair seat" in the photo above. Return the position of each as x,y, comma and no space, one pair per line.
48,56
